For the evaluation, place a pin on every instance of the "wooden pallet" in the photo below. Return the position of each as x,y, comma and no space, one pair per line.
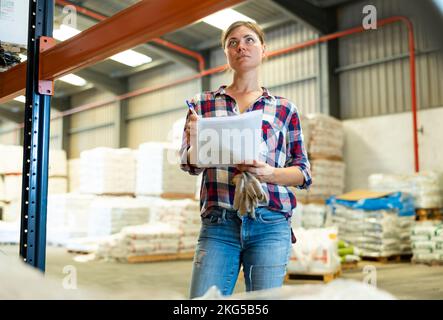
346,266
428,214
323,277
396,258
161,257
319,156
177,196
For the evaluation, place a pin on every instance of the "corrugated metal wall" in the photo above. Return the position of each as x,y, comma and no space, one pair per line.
151,116
384,88
293,75
94,127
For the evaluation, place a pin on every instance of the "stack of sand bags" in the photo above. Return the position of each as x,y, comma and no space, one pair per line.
182,214
68,217
326,137
310,216
11,164
315,251
9,232
427,242
74,175
107,171
375,232
159,173
109,215
348,252
423,186
329,180
142,240
57,172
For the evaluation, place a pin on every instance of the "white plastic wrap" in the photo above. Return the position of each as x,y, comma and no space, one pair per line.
423,186
57,165
57,185
107,171
10,232
109,215
13,162
315,251
74,175
13,187
158,171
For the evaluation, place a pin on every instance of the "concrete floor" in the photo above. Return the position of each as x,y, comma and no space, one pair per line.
170,280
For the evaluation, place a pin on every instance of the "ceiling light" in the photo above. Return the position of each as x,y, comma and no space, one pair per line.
131,58
73,79
65,32
21,99
224,18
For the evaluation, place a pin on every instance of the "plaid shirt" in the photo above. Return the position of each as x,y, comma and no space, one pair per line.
281,146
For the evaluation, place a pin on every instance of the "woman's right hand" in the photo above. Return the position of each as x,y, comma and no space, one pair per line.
191,129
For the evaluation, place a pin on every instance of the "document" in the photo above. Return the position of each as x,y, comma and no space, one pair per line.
230,140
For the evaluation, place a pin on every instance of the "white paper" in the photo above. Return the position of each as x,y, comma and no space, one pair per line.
14,21
229,140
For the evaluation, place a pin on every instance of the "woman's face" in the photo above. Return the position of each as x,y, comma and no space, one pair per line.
243,49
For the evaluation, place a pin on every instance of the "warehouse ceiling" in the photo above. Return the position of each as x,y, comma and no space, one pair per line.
199,36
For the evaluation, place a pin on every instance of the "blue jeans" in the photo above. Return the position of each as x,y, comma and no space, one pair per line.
227,241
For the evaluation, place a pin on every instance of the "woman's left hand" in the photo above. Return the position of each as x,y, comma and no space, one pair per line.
261,170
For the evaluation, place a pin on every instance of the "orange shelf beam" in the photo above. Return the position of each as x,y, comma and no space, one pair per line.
137,24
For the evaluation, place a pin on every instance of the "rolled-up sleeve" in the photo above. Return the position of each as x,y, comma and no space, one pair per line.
184,164
296,151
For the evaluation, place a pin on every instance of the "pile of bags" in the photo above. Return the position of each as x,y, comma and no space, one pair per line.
158,171
68,217
324,137
315,251
182,214
427,242
107,171
329,180
309,216
142,240
380,227
423,186
348,252
109,215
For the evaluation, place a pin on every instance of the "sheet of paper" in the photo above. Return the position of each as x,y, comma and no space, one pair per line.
223,141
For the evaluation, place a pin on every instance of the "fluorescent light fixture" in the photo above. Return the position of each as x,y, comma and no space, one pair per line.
21,99
65,32
73,79
224,18
131,58
23,57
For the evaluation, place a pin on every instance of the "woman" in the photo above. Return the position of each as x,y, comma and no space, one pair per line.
227,240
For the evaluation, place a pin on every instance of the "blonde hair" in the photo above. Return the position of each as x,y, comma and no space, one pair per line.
248,24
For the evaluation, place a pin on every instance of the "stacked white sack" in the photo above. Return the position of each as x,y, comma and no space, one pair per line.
326,136
427,242
109,215
328,178
423,186
107,171
11,160
9,232
375,232
58,165
158,171
315,251
185,216
148,239
74,175
68,217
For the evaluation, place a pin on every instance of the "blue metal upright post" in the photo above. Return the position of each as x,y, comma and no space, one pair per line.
36,142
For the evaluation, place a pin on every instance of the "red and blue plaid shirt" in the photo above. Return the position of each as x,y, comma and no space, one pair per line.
281,146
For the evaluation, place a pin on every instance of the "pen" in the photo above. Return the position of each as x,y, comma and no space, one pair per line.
191,108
